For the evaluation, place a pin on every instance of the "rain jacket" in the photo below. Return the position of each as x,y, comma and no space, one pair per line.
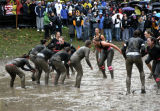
46,19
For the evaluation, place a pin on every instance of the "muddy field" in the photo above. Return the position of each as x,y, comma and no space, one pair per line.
95,94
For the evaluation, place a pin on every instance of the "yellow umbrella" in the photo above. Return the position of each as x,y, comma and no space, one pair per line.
137,11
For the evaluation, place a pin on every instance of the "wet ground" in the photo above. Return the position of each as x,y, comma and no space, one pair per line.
95,94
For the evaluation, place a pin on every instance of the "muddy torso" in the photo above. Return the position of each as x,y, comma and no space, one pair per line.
134,44
154,52
37,49
61,56
81,53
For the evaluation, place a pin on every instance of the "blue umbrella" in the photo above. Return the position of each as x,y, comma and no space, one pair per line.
128,9
157,15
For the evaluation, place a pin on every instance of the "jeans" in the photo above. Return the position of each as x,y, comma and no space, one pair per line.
39,21
79,31
131,31
86,33
118,33
125,34
108,33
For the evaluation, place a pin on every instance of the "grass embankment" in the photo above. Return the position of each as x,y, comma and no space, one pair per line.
15,42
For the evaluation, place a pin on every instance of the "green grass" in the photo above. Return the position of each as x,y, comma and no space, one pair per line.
15,42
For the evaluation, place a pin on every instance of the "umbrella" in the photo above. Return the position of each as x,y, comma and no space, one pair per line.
143,2
156,9
123,4
155,4
137,11
157,15
128,9
133,3
115,16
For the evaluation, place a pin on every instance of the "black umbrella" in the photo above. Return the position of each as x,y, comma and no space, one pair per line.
155,4
123,4
133,3
156,9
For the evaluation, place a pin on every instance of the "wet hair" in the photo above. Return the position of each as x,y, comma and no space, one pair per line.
67,49
43,41
25,56
150,33
154,40
137,33
88,42
57,33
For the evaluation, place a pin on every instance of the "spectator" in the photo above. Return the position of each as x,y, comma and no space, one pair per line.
141,24
87,4
53,18
59,24
79,7
125,29
107,25
64,15
78,22
154,28
71,27
32,13
8,8
58,7
148,24
133,25
94,23
86,27
103,2
70,7
47,25
118,25
100,21
39,10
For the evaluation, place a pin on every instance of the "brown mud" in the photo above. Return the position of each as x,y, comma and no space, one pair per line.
95,94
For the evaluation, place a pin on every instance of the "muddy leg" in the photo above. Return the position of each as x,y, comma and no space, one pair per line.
56,77
63,76
109,62
139,65
33,76
129,65
71,67
46,78
13,76
67,71
101,63
22,76
79,70
39,75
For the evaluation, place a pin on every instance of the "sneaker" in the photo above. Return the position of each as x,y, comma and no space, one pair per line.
37,30
110,41
42,30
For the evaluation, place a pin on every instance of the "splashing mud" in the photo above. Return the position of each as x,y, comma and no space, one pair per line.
95,94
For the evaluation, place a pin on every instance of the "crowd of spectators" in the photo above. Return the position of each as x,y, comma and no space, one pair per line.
82,17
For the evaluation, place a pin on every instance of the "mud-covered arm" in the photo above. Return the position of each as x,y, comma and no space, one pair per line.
149,59
87,52
143,49
111,45
28,65
124,48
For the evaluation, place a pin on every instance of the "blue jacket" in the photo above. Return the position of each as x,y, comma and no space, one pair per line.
101,22
39,10
64,14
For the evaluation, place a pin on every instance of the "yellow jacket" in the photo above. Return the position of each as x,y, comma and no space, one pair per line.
85,5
